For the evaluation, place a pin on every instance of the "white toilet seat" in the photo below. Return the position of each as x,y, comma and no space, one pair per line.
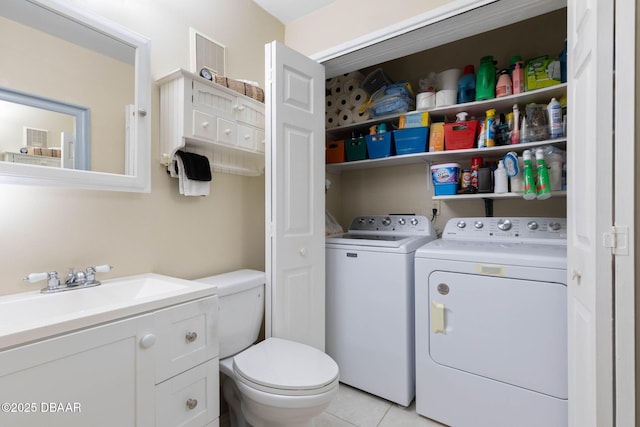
285,367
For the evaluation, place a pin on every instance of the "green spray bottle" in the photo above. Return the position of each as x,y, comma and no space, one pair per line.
529,181
543,186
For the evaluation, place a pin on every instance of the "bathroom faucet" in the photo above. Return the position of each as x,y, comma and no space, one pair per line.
74,280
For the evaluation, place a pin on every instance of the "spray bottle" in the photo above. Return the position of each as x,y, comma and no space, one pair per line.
529,192
543,186
489,128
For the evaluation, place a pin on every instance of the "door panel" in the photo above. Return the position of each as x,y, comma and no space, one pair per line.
589,158
509,330
294,180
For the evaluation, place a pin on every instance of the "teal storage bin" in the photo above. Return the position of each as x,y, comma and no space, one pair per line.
380,145
356,149
413,140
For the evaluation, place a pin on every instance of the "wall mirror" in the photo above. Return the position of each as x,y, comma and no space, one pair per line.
74,95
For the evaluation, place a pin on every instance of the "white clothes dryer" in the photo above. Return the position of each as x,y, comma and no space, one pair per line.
491,324
370,303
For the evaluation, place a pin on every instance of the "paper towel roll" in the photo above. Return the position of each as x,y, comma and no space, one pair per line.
446,97
336,90
332,81
448,79
352,75
345,117
425,100
360,117
343,102
331,104
331,120
349,86
358,97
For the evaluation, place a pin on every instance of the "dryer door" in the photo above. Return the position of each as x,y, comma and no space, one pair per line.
509,330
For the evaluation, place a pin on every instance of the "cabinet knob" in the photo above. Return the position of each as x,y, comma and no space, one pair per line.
192,403
247,137
191,336
227,131
205,124
147,341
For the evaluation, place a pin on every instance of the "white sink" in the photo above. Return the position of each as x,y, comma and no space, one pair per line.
33,315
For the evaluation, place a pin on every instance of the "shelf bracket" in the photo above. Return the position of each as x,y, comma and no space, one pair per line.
488,208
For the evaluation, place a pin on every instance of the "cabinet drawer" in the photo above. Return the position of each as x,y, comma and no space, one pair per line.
189,399
260,141
187,336
204,125
227,132
246,137
250,113
209,99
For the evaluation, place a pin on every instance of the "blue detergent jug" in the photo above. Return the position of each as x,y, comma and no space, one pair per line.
467,85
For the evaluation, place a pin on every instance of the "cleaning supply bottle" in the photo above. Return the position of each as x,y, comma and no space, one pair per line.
467,85
504,87
515,132
529,182
476,164
518,78
514,171
489,128
543,186
486,79
554,110
500,180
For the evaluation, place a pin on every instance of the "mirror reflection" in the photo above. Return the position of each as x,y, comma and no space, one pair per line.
71,64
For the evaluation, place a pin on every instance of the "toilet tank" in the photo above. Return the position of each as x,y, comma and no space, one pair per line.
240,308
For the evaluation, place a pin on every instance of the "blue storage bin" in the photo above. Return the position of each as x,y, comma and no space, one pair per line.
412,140
380,145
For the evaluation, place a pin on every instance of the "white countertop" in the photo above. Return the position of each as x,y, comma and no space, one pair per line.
32,316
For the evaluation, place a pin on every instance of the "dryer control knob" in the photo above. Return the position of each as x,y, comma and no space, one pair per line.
504,224
532,225
386,221
372,220
414,221
461,224
478,224
402,221
555,226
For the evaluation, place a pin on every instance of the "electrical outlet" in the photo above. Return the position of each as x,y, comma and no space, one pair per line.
435,206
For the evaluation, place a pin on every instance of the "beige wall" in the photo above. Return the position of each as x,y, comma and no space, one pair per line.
53,229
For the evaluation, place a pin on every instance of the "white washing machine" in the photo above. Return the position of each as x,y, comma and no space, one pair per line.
370,303
491,324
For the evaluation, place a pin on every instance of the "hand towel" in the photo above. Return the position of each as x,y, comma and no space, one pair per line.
193,172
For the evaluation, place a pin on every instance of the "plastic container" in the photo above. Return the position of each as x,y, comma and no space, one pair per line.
467,85
460,135
335,152
445,178
415,119
375,80
355,149
518,78
554,111
489,129
412,140
529,182
504,87
515,132
380,145
486,79
543,186
500,180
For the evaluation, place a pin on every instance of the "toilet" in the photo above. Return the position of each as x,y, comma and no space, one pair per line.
275,382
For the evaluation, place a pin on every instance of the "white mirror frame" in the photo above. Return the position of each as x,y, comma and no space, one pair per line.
138,173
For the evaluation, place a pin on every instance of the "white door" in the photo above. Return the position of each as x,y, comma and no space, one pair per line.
590,210
294,176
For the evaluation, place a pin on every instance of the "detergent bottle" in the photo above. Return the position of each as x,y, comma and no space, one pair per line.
486,79
467,85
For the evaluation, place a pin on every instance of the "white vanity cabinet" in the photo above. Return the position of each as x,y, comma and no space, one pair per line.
209,119
155,369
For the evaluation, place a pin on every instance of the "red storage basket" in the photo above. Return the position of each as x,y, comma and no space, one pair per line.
460,135
335,152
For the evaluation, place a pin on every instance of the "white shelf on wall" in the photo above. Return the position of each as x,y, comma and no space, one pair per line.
494,196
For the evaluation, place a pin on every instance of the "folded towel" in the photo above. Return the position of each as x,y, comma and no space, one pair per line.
196,167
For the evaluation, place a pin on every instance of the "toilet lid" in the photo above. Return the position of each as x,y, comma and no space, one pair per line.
285,367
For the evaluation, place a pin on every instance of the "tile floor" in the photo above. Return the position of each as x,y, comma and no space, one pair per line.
353,407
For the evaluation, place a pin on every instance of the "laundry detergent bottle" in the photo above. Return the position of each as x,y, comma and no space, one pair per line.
467,85
486,79
529,192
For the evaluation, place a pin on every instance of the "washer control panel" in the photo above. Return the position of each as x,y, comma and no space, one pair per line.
397,224
515,229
